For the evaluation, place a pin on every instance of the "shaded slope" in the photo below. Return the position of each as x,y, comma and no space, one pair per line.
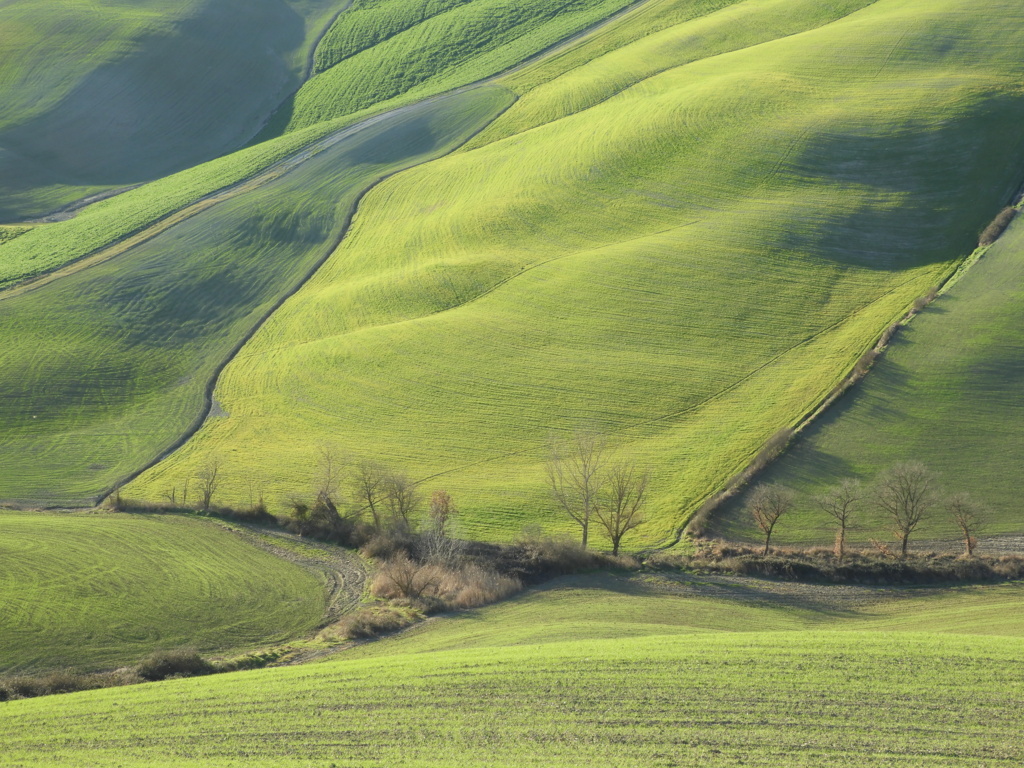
688,263
947,392
113,93
98,389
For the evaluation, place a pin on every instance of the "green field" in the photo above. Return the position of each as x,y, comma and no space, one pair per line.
592,671
946,393
384,49
105,94
121,372
96,591
686,256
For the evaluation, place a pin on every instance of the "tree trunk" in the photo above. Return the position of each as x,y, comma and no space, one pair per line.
767,541
615,547
903,545
586,526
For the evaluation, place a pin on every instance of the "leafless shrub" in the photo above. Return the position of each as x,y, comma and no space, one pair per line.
373,621
161,665
401,499
969,517
993,231
367,486
208,481
404,577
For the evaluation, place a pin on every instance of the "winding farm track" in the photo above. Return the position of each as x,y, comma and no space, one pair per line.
342,571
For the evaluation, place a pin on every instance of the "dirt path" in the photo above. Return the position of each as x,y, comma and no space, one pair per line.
342,572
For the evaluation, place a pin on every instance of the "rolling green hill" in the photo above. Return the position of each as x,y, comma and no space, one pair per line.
95,591
686,256
101,387
946,393
608,671
383,49
105,94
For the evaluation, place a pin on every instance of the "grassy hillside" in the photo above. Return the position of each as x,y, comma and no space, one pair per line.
946,392
537,682
686,257
111,93
101,590
101,387
383,49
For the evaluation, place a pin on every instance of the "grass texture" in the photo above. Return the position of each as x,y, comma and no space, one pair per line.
95,591
686,256
383,49
105,94
98,389
946,393
485,689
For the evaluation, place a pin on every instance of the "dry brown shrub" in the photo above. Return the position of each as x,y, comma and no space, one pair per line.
999,224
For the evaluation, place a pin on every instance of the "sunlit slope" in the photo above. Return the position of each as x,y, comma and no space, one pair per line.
100,591
109,93
383,49
106,367
687,265
642,688
947,392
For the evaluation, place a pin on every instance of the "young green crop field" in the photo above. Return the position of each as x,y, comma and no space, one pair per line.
946,392
383,49
683,234
595,671
96,390
95,591
105,94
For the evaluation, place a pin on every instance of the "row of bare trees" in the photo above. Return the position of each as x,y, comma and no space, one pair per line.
343,492
906,495
588,485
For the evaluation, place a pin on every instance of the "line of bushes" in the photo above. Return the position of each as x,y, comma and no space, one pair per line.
821,565
160,665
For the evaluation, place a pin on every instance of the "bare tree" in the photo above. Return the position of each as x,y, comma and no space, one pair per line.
442,511
624,492
839,502
328,479
401,498
575,473
207,477
969,517
367,482
906,494
255,485
767,504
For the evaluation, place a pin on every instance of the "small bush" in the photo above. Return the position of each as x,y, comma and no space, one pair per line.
431,587
179,663
389,544
993,231
374,621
